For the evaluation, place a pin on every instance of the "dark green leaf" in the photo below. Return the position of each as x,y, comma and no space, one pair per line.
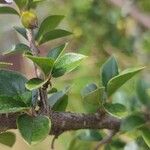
142,87
59,100
12,83
8,10
19,48
33,129
7,138
34,83
117,81
146,135
90,135
48,24
92,94
132,122
54,34
56,52
21,31
88,89
45,64
10,105
52,90
67,63
117,110
109,70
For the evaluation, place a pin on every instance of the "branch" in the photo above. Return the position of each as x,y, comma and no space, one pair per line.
66,121
134,12
106,140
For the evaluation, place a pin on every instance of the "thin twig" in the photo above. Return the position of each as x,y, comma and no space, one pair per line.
106,140
53,142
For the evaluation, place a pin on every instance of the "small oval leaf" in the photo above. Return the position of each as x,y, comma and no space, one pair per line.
7,138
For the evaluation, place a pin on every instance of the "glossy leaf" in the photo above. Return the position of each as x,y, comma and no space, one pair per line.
90,135
10,105
45,64
109,70
5,64
48,24
54,34
116,109
59,100
132,122
116,82
92,94
12,83
21,31
34,83
19,48
33,129
8,10
88,89
7,138
67,63
146,135
56,52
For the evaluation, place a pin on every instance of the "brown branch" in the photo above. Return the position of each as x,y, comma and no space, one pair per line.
140,17
36,51
66,121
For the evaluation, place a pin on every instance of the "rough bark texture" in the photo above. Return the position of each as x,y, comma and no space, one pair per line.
66,121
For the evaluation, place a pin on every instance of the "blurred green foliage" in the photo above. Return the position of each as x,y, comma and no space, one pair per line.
100,30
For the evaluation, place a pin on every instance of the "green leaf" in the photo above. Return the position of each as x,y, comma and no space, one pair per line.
33,3
116,82
48,24
19,48
54,34
109,70
52,90
142,87
7,138
33,129
132,122
45,64
22,4
56,52
90,135
21,31
67,63
8,10
59,100
146,135
88,89
5,64
10,105
117,110
34,83
92,94
12,83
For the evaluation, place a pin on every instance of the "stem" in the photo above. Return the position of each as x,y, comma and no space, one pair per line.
106,140
36,52
66,121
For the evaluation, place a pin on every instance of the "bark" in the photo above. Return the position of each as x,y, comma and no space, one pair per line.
66,121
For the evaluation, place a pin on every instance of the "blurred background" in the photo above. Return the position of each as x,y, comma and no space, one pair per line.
101,28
